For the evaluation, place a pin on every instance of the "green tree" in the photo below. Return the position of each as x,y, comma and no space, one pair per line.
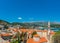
56,37
34,33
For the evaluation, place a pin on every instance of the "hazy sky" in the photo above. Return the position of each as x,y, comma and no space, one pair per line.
30,10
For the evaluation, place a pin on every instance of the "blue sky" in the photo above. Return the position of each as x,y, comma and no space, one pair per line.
30,10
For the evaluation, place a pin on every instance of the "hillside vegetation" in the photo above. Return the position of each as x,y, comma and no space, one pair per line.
30,24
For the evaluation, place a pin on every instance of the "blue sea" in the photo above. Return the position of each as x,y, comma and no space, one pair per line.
54,29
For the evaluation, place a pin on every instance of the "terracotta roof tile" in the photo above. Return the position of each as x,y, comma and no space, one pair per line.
38,30
23,30
15,30
36,35
43,39
52,32
45,30
6,34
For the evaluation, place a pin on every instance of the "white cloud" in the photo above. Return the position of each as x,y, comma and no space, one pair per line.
19,18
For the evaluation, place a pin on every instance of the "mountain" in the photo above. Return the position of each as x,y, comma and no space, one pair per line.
30,24
4,22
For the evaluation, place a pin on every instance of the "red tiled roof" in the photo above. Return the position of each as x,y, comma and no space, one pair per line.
6,34
30,31
15,30
23,30
43,39
52,32
45,30
36,35
38,30
31,41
